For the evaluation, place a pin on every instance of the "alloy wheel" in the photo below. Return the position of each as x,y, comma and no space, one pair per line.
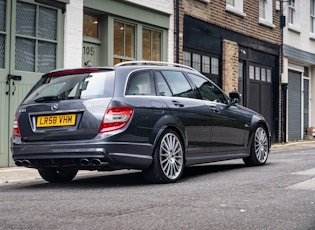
261,145
171,156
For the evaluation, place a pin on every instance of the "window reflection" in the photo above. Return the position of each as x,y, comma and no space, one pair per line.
90,26
151,45
124,42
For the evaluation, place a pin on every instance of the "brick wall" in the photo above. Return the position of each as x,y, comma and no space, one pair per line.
229,66
215,13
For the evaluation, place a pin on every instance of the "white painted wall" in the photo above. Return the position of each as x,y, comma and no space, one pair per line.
312,104
73,34
299,35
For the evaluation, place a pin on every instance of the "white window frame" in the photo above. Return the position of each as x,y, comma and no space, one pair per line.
196,62
266,19
186,58
236,9
293,16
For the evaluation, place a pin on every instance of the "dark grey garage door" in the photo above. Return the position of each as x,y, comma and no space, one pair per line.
260,97
294,106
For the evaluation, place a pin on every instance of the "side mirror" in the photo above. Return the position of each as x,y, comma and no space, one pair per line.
235,98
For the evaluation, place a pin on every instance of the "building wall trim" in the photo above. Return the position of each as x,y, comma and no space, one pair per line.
131,11
205,30
298,55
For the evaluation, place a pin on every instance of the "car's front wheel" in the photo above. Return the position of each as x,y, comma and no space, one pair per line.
259,148
57,175
168,159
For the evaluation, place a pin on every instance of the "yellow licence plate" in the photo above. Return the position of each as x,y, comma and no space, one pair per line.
56,120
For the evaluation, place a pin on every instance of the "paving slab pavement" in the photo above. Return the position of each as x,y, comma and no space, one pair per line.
19,174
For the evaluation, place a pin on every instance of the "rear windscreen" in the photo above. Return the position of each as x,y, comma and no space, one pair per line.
70,87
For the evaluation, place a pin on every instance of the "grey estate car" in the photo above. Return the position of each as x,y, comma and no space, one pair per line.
154,116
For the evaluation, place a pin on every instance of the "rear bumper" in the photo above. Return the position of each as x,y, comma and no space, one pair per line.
83,155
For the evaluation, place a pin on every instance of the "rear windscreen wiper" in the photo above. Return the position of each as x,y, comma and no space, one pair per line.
48,98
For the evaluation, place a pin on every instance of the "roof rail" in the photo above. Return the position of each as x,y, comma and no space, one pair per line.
158,63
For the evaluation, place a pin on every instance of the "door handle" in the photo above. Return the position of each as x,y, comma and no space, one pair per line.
214,109
177,103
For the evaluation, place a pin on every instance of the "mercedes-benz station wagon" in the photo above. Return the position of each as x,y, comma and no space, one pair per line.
152,116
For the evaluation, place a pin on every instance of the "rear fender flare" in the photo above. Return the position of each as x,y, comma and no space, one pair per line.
165,122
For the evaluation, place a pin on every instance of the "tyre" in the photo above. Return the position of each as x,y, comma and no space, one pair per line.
53,175
168,159
259,148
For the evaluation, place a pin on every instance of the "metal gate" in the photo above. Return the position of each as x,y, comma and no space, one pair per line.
294,105
28,48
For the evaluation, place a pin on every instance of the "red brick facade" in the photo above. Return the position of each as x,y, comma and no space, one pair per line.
215,13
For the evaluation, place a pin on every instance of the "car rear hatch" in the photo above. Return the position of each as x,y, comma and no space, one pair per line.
66,105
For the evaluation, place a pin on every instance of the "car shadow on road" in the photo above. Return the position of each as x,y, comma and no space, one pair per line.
131,178
209,169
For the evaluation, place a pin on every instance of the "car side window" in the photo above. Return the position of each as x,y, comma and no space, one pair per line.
139,84
208,90
178,83
161,85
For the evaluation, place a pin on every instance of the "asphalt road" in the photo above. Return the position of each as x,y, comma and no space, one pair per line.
224,195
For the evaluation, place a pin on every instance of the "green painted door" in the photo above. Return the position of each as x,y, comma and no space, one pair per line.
29,47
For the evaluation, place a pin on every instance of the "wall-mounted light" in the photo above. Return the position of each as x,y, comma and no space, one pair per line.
279,6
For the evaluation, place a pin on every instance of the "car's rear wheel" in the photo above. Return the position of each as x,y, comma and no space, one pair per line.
259,148
168,159
53,175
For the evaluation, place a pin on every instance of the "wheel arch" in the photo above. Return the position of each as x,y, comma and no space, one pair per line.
256,122
180,131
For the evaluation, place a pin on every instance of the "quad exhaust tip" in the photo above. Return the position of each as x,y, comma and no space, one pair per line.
25,163
93,162
83,162
18,163
96,162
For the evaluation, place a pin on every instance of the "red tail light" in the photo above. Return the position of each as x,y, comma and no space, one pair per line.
115,118
16,128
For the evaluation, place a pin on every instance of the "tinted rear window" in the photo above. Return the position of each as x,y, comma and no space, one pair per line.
178,83
140,84
69,87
